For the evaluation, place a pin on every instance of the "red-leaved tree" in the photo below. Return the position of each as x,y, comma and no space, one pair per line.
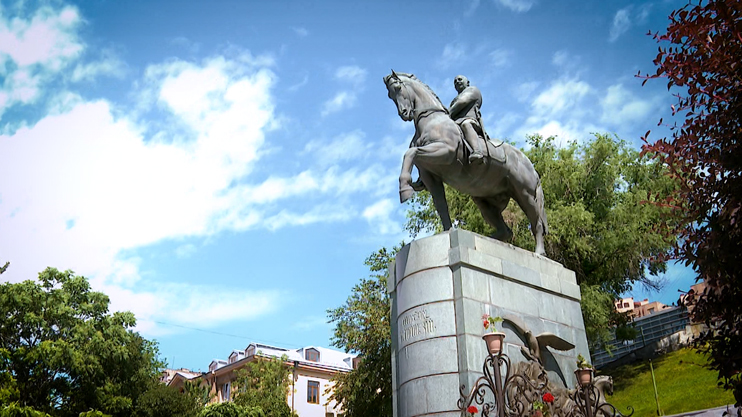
701,58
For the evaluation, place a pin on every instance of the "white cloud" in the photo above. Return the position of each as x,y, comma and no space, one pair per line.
453,54
379,215
341,101
300,84
184,251
311,323
33,49
352,74
560,58
516,5
186,305
473,6
333,181
324,213
91,181
500,57
108,65
561,96
48,39
561,110
523,91
301,32
621,24
621,107
347,146
643,14
82,185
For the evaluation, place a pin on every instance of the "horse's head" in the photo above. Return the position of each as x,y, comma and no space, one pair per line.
604,383
400,93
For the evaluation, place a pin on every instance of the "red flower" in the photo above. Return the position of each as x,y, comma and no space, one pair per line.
548,398
486,324
472,409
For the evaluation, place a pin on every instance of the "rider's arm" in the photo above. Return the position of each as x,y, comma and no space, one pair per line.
463,102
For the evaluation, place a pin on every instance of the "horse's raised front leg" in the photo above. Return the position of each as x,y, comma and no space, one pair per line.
405,178
438,192
433,153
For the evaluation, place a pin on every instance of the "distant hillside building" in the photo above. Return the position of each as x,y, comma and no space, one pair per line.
312,369
168,374
637,309
696,290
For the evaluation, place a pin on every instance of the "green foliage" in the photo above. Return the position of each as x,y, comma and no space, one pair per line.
200,393
362,326
683,384
599,223
626,333
94,413
63,353
15,410
597,312
164,401
230,409
264,384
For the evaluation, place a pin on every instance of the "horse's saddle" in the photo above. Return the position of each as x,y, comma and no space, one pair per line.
496,151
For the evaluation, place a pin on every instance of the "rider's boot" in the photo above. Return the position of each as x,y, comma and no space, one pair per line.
471,136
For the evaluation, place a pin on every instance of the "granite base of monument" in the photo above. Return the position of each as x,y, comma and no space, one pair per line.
440,287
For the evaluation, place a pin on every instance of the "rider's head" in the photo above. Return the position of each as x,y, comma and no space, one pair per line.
460,83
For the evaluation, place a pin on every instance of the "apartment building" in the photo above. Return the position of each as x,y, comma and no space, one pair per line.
312,370
637,309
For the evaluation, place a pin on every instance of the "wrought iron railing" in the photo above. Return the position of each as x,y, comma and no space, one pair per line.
524,390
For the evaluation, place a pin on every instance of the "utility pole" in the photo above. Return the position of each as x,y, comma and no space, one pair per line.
656,396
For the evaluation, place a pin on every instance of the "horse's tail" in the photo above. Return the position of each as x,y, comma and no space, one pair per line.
541,209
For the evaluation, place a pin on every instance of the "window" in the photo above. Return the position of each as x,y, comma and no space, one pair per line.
329,415
312,355
313,392
225,392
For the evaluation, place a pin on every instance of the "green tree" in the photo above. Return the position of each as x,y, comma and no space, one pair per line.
362,326
63,353
230,409
599,224
163,401
201,393
15,410
701,65
264,384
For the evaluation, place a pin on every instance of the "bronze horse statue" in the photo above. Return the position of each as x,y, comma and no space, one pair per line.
439,153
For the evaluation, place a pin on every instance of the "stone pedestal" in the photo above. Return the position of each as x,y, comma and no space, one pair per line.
441,285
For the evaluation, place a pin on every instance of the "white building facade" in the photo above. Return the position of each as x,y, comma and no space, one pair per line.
312,370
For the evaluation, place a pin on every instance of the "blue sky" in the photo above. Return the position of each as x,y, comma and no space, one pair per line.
223,168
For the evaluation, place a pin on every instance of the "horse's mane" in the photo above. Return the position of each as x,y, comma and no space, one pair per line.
413,78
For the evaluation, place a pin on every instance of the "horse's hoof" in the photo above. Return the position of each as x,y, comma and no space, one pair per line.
418,186
405,194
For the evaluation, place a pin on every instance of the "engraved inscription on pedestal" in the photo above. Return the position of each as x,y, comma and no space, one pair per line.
416,323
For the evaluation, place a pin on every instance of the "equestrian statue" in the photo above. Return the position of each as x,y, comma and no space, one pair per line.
450,146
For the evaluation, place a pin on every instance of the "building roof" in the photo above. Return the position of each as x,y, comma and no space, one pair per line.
328,358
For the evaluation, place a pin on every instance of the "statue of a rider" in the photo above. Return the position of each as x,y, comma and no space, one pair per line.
464,110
